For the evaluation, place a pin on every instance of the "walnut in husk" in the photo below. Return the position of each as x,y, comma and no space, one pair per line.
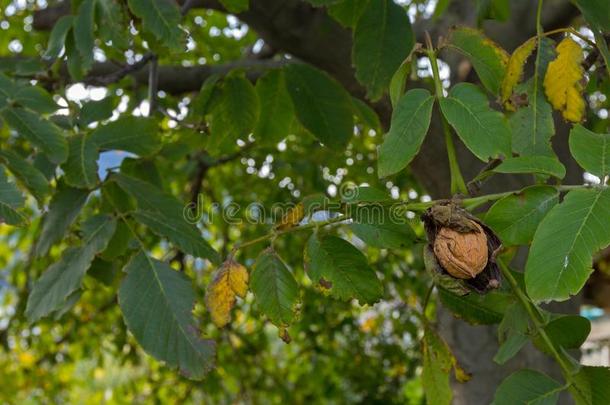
461,251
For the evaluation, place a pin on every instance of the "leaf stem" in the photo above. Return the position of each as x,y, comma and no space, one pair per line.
457,180
274,234
467,203
537,319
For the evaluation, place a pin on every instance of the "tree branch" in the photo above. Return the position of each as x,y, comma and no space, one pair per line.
172,79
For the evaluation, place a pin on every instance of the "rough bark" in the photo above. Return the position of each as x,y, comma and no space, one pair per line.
307,33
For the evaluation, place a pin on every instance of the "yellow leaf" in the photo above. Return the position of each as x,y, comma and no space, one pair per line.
292,217
514,71
230,280
563,81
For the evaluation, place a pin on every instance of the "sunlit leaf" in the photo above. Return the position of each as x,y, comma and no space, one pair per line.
563,81
514,70
229,281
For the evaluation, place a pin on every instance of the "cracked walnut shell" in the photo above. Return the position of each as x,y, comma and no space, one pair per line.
462,254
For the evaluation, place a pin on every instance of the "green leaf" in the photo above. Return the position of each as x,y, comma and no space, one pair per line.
347,12
488,59
512,332
157,304
533,127
34,98
81,167
364,194
567,331
484,131
234,110
132,134
63,278
93,111
164,215
382,228
410,122
591,150
148,196
184,235
596,12
112,23
527,387
336,267
63,210
383,38
161,18
103,271
366,115
274,288
437,361
119,243
591,386
235,6
73,58
533,124
399,82
276,112
477,309
10,200
510,347
83,32
40,132
560,258
29,176
321,104
515,217
493,10
201,103
58,36
533,164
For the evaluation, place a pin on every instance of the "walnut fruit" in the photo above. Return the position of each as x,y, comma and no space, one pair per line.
463,255
461,251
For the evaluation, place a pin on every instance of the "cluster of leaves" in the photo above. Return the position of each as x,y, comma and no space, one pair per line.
97,222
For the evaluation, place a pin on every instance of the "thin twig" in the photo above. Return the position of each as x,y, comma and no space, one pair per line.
153,84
